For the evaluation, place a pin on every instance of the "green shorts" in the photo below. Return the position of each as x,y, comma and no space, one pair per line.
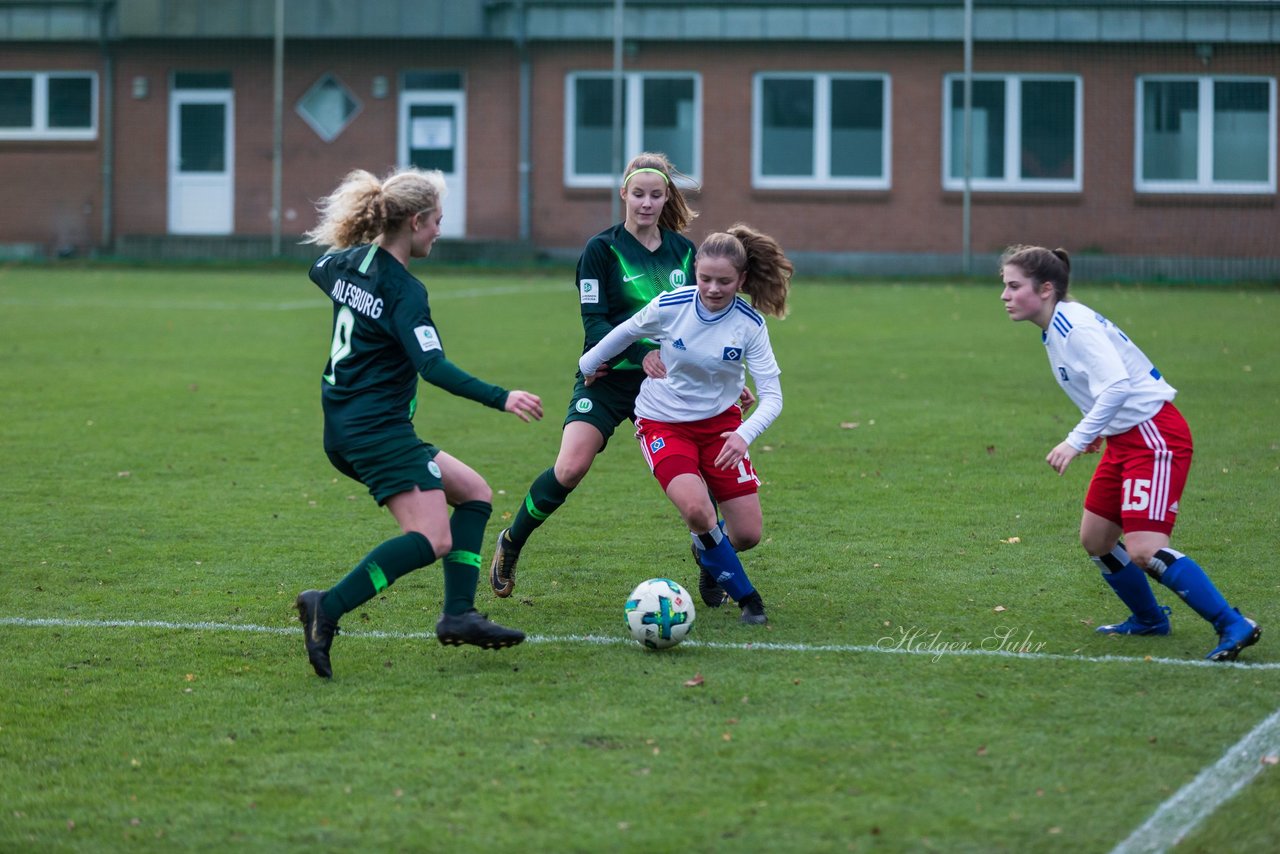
607,402
391,467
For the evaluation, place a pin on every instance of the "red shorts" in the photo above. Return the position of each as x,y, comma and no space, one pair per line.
1140,477
691,447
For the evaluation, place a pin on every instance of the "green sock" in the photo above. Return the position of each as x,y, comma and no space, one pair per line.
392,559
546,494
462,565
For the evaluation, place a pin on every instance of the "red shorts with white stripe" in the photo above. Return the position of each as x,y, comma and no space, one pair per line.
691,447
1140,477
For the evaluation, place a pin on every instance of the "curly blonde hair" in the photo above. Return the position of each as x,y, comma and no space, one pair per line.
362,208
769,271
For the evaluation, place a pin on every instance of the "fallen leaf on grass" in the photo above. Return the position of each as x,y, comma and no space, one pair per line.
850,425
999,608
695,682
982,751
1012,540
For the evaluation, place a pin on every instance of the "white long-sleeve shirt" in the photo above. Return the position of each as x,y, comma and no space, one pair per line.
706,356
1103,372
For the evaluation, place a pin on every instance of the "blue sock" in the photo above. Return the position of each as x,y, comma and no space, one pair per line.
1130,584
1184,576
722,562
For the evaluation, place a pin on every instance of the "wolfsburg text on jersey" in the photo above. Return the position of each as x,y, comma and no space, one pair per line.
357,297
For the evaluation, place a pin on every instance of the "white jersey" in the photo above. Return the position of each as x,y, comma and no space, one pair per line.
706,356
1089,356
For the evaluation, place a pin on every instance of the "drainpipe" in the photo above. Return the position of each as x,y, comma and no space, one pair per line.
108,124
966,211
277,138
615,203
526,99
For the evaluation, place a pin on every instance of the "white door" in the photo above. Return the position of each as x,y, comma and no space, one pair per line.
201,161
433,135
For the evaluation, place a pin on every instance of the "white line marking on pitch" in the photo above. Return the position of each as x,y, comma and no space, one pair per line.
1210,789
598,640
1170,823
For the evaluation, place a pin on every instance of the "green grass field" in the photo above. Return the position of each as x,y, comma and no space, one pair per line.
930,680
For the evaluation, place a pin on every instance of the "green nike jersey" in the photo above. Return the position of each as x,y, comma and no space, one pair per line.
383,340
617,276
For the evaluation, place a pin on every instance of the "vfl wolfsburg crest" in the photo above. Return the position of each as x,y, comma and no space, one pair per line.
583,405
677,278
433,468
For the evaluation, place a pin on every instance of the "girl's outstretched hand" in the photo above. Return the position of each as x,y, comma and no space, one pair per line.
522,403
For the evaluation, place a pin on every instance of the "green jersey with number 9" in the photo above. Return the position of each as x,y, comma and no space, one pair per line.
383,340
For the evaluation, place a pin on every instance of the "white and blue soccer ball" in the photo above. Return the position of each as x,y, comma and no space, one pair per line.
659,613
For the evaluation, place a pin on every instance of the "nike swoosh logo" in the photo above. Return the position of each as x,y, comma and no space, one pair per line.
632,278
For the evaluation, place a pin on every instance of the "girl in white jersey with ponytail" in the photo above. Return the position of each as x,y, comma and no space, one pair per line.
689,423
1132,501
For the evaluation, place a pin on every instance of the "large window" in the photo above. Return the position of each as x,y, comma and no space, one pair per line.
1027,133
660,112
48,105
1206,135
821,131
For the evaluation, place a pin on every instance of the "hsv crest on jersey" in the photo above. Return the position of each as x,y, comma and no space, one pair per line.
732,354
656,445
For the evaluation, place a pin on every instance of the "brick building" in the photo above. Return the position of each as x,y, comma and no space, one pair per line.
1139,132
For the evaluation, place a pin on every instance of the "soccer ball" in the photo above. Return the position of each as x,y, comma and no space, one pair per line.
659,613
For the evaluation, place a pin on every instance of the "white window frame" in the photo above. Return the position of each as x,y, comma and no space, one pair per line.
822,178
40,107
1013,182
1204,182
632,123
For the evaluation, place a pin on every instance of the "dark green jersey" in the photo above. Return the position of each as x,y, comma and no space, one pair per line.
617,276
383,339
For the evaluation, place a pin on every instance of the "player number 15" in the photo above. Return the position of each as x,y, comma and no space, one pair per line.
1137,494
